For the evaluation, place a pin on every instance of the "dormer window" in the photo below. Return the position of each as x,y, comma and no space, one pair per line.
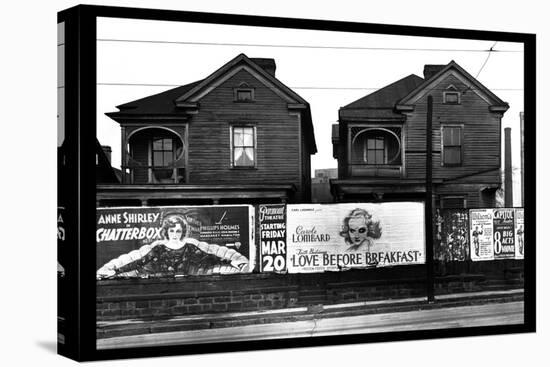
244,93
451,95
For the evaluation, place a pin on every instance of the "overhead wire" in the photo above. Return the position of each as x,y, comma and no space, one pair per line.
292,87
301,46
489,52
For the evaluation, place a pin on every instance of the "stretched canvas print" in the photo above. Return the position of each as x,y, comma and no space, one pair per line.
253,182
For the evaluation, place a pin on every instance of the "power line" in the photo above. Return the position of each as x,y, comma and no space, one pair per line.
301,46
297,87
487,59
489,51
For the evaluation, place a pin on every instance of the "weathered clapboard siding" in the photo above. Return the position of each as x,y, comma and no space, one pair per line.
481,135
306,168
277,134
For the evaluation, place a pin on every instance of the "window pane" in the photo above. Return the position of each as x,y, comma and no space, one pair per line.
457,135
452,135
237,156
157,144
379,143
249,156
451,97
371,143
168,158
244,157
238,139
167,144
248,137
379,157
244,95
157,159
446,136
452,155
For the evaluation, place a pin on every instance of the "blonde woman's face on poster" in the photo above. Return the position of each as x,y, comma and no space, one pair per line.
357,230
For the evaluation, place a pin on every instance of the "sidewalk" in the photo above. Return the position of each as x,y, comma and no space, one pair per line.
141,327
453,317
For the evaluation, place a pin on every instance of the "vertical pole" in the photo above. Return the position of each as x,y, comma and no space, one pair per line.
521,134
123,157
508,194
428,206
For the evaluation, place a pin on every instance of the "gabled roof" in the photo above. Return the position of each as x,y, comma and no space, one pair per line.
387,103
458,71
202,88
174,102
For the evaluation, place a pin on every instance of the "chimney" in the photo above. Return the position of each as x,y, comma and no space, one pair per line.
107,150
431,70
508,202
266,64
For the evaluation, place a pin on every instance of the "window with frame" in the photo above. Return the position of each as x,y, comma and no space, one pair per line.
451,95
375,151
451,150
163,154
375,146
243,148
452,98
244,95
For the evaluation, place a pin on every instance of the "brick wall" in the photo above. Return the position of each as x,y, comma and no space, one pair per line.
170,297
188,303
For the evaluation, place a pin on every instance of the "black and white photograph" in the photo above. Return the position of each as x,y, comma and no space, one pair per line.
263,183
274,183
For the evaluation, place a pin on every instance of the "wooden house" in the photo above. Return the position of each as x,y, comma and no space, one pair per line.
380,141
237,136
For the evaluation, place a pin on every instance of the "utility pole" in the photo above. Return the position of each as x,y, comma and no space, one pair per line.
428,211
508,189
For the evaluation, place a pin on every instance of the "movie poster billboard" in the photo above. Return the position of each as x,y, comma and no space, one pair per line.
519,229
272,237
174,241
503,234
332,237
481,234
451,242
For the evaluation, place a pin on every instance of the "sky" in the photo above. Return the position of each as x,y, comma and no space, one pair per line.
328,69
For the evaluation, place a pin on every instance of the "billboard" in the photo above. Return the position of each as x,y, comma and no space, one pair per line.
332,237
451,241
272,237
481,234
174,241
503,234
496,234
518,230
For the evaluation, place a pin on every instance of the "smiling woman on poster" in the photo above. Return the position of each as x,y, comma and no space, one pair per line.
359,230
176,254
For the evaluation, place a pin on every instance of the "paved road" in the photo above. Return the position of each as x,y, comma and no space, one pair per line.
484,315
